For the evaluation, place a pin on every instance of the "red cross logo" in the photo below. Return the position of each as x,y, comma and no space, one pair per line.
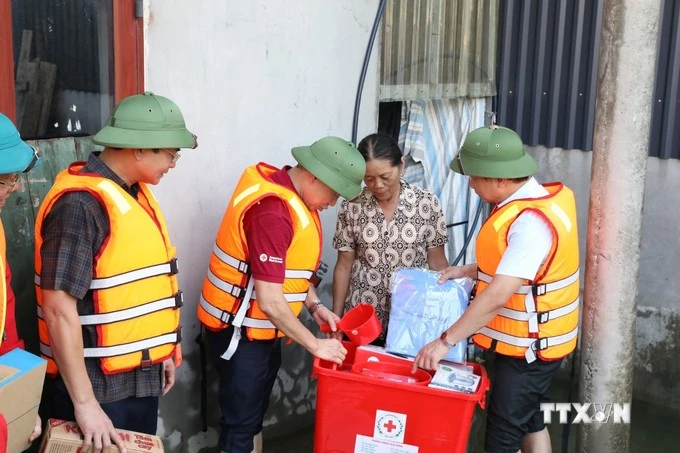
390,426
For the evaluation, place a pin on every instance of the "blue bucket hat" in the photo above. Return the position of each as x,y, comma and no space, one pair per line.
15,155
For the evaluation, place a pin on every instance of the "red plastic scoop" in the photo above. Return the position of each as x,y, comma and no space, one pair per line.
360,324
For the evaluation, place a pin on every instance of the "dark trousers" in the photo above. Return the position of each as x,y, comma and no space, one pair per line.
517,391
246,382
132,414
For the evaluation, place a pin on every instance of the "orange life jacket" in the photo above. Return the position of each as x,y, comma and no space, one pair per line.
134,284
541,318
228,296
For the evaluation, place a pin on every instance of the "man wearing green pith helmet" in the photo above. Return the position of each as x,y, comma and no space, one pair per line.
261,276
108,302
526,308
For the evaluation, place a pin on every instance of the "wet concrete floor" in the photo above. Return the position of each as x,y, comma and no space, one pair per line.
653,429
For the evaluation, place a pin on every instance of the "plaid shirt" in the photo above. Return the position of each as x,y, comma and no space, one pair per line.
73,231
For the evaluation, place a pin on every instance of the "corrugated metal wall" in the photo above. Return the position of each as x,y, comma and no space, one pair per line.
547,74
65,33
665,130
438,49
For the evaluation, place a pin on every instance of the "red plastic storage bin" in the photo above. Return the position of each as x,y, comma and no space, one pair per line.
354,409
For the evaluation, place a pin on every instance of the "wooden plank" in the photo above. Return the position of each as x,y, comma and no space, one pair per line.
47,75
32,75
63,153
31,115
21,81
7,95
23,75
29,102
24,58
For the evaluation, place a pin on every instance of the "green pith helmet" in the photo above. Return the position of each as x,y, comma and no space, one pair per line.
336,162
146,121
494,152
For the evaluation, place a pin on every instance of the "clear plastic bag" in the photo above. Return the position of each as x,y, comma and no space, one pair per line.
422,309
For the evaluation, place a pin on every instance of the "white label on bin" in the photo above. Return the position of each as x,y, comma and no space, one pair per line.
365,444
389,426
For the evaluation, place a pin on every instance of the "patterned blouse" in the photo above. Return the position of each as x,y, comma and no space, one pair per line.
416,225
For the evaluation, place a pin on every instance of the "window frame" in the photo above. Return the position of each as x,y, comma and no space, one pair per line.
128,52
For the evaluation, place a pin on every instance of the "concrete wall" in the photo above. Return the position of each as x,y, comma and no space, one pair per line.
658,311
253,78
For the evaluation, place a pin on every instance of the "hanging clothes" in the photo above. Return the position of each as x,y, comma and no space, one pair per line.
432,132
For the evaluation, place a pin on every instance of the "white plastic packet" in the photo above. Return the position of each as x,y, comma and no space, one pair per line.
422,309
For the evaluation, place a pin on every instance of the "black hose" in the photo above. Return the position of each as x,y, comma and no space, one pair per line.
471,233
364,69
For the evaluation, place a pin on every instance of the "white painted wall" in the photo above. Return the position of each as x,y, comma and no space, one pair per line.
253,79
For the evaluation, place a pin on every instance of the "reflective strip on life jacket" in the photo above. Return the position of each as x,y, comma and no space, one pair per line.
228,288
532,344
229,260
246,294
291,273
169,268
290,297
530,292
227,317
243,267
175,301
128,348
537,290
541,317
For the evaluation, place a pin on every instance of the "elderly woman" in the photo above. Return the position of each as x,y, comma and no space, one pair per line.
390,225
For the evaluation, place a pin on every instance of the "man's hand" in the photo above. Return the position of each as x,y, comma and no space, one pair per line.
329,322
324,316
331,350
37,429
451,272
168,374
97,428
429,356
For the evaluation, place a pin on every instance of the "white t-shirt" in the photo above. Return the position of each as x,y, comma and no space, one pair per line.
529,238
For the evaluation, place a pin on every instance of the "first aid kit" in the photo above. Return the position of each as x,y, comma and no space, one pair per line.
367,412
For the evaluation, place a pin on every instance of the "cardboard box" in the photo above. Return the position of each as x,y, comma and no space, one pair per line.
21,379
65,437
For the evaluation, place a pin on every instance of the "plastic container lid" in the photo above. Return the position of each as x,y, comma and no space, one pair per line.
393,372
